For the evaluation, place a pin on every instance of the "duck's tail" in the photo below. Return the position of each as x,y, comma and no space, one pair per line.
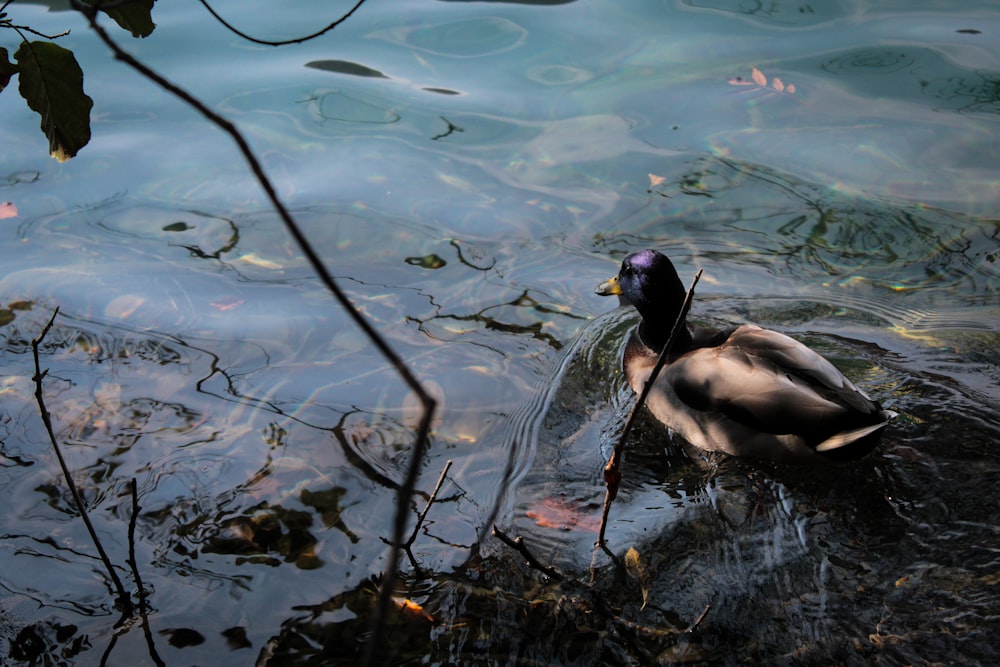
862,438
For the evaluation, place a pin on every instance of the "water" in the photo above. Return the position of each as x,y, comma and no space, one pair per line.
470,171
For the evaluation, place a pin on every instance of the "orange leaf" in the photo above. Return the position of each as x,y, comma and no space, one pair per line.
564,515
778,84
8,210
758,77
790,89
655,180
408,606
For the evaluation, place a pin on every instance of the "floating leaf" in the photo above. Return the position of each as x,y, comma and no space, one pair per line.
655,180
346,67
179,226
7,68
183,637
7,210
760,80
442,91
430,261
51,81
236,638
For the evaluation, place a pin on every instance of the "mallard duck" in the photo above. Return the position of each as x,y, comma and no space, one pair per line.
745,391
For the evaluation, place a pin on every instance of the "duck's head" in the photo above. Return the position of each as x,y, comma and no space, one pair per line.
649,282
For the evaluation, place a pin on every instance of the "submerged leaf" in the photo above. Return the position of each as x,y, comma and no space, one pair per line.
563,514
412,609
51,81
758,77
346,67
227,303
254,260
655,180
635,567
7,210
431,261
778,84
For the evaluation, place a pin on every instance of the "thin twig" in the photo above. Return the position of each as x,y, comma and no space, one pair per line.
283,42
150,643
612,473
427,402
124,600
701,617
518,545
427,507
21,29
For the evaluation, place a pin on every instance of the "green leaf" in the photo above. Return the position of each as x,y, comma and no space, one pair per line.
7,69
135,16
51,81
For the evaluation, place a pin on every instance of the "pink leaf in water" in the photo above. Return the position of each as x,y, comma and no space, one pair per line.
655,180
790,89
758,77
778,84
739,81
7,210
564,515
227,303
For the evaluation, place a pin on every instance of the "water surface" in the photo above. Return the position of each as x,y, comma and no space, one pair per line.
469,172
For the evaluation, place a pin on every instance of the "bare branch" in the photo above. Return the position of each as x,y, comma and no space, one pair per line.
427,507
612,473
124,600
150,644
267,42
701,617
518,545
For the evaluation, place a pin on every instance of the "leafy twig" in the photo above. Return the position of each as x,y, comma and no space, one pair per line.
612,474
124,600
518,545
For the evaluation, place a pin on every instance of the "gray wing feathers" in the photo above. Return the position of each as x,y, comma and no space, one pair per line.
771,382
